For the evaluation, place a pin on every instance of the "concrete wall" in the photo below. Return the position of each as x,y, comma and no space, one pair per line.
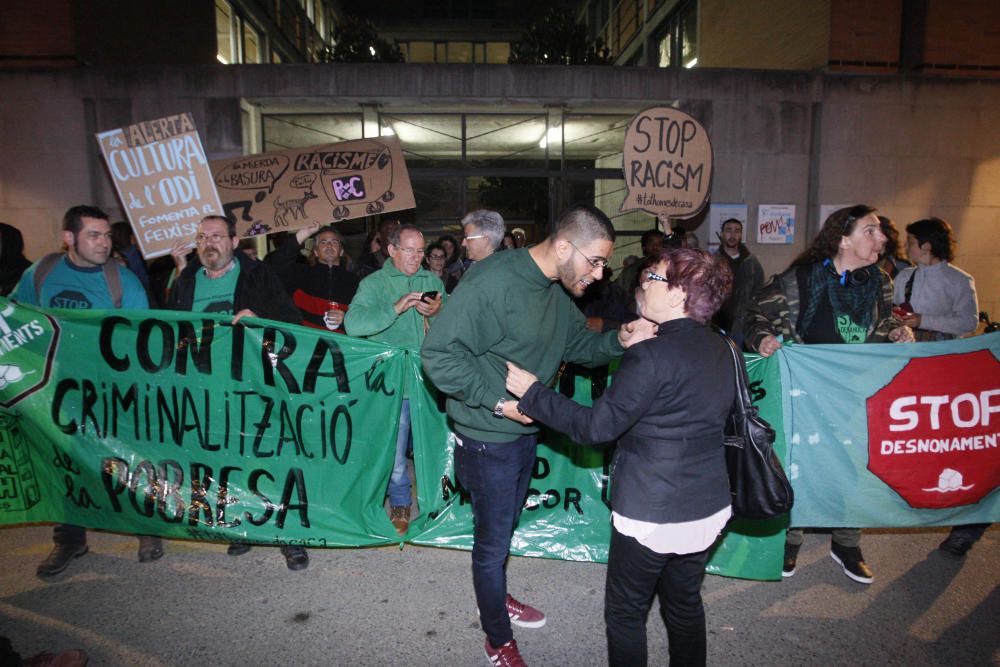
912,147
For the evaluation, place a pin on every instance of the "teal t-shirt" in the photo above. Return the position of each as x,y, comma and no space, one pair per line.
80,288
215,295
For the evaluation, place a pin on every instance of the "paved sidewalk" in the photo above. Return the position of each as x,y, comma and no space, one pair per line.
386,606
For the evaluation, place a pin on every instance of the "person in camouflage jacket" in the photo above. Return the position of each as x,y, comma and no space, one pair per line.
834,292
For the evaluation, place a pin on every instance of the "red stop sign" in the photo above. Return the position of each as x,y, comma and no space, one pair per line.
934,430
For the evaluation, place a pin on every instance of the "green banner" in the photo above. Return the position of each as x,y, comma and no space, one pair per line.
182,425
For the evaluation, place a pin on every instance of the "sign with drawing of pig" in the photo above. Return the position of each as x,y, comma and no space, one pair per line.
287,190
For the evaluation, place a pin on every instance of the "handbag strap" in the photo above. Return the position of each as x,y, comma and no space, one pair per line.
741,402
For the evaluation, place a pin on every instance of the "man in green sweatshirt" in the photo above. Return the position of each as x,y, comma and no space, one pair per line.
513,306
394,305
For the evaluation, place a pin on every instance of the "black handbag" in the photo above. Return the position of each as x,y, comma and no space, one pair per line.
759,487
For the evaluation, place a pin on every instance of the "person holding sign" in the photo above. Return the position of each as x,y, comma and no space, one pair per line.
834,292
322,289
83,278
221,280
514,307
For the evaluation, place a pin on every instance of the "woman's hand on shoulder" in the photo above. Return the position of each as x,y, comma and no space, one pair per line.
519,380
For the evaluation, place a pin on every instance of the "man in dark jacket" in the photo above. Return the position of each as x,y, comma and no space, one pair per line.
748,276
221,280
323,288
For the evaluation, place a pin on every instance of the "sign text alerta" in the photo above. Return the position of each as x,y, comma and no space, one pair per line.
934,430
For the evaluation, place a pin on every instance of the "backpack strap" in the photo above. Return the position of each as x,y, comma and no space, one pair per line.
111,277
114,280
44,268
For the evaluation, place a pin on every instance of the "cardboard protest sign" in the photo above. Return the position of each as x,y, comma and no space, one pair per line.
163,181
667,160
287,190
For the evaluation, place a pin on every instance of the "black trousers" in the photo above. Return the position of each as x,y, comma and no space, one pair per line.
635,575
64,533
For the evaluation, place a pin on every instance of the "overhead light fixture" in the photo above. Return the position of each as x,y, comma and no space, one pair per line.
387,131
691,63
553,134
221,59
372,49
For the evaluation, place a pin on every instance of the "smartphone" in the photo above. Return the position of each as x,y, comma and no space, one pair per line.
427,296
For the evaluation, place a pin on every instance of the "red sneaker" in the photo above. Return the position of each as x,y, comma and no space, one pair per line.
505,656
524,615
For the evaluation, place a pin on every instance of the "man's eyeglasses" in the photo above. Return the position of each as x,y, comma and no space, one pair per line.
655,277
411,251
474,236
596,262
214,238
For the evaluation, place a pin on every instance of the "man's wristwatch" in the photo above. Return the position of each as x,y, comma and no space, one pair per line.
498,408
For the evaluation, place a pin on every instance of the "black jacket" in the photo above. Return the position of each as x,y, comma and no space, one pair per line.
667,405
311,286
257,288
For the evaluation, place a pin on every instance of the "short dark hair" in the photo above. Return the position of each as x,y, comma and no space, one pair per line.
584,223
937,232
73,218
705,278
732,221
230,223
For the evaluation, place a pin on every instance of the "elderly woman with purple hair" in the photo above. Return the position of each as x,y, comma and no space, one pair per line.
670,498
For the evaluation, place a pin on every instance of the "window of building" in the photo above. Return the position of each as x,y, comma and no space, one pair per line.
677,42
251,44
224,32
497,53
441,52
419,52
459,52
479,52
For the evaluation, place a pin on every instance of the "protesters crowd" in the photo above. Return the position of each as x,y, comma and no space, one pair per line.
500,321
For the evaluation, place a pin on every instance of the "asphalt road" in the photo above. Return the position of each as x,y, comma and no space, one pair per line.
386,606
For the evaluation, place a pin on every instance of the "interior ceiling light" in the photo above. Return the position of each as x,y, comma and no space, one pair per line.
553,134
691,63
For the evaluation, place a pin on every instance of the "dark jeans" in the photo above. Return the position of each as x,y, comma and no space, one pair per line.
496,475
63,533
635,575
971,532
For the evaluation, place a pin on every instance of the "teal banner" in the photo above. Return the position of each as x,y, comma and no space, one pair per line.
893,435
182,425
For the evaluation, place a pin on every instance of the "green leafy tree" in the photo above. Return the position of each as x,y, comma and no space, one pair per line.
556,38
355,40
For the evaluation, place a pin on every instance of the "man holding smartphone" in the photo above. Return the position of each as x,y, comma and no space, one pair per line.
394,305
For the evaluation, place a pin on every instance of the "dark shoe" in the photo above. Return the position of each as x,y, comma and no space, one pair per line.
956,545
400,517
791,557
150,548
505,656
60,558
853,562
238,549
296,558
74,658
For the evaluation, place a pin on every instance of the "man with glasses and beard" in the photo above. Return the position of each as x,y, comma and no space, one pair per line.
220,280
514,307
